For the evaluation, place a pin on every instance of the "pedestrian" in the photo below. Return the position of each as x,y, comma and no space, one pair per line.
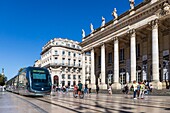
126,89
97,89
89,89
67,88
110,89
80,86
134,86
86,89
150,88
138,89
142,90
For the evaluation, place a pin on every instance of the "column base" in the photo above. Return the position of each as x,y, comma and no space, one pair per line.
116,86
92,86
103,86
165,84
156,85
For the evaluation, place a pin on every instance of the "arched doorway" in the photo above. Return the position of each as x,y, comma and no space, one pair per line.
56,80
122,76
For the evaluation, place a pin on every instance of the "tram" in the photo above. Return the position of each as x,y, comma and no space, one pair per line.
33,81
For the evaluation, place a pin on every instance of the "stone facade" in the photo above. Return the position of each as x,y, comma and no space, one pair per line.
63,58
134,46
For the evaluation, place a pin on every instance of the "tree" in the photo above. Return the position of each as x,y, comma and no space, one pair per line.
2,80
20,70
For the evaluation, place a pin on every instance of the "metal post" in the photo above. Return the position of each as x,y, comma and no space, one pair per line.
137,76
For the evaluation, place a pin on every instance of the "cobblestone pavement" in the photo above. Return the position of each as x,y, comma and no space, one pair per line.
66,103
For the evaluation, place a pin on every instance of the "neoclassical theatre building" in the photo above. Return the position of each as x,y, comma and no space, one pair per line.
133,46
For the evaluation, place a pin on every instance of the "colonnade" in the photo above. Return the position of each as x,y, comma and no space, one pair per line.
116,84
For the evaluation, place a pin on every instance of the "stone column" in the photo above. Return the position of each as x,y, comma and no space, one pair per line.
83,69
116,84
93,77
133,54
103,85
155,55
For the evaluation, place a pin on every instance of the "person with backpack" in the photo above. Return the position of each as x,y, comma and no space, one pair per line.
142,90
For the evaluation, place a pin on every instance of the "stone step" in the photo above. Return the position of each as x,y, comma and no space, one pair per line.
163,92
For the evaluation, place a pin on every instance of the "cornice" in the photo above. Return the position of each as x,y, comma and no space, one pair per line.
143,10
48,48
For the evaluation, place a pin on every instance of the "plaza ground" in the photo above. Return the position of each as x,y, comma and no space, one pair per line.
66,103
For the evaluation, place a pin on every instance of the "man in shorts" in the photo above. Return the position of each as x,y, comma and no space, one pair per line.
80,85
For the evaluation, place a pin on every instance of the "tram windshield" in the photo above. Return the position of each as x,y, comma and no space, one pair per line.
40,77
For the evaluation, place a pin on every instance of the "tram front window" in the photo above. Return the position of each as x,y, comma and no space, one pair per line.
40,79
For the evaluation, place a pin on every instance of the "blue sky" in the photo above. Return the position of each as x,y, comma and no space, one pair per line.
27,25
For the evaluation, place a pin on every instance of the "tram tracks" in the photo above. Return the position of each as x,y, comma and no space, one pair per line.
92,105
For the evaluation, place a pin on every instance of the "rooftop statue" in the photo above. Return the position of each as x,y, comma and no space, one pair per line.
132,4
114,13
103,21
83,33
91,27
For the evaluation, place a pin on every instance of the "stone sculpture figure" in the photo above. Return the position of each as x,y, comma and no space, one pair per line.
132,4
83,33
114,13
166,8
91,27
103,21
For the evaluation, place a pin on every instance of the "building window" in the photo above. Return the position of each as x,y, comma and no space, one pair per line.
69,53
137,50
110,58
63,53
79,63
121,54
79,76
68,69
74,54
68,45
56,60
69,76
69,62
73,46
69,83
56,52
74,62
63,61
79,55
85,58
63,76
74,76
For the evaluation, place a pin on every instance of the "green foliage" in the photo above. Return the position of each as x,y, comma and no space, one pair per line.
20,70
2,79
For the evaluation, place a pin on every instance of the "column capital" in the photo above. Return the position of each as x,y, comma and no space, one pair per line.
154,23
131,31
114,38
91,48
102,43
